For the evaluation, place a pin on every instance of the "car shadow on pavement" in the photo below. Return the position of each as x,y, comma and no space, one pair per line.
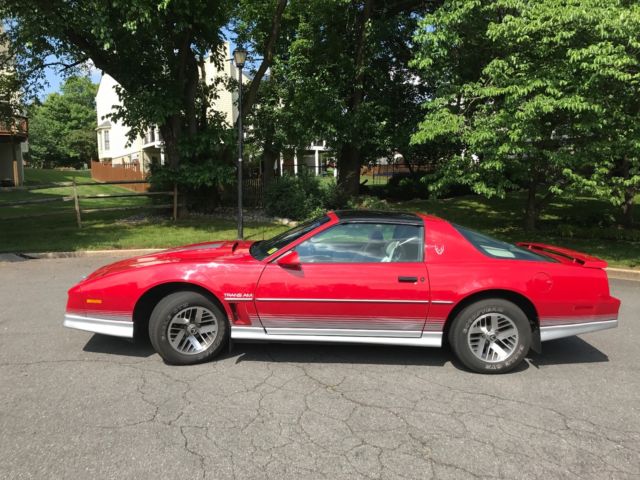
572,350
339,353
567,351
118,346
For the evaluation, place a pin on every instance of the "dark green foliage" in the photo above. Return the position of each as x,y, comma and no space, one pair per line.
407,186
340,72
62,128
541,95
333,196
154,49
203,185
292,197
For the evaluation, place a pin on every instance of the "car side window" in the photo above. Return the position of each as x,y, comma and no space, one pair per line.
364,243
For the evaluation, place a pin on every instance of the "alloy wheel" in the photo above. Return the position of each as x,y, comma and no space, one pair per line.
493,337
192,330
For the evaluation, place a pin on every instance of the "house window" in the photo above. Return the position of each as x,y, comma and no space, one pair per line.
100,140
106,139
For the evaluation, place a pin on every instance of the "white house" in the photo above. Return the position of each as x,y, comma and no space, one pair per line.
114,146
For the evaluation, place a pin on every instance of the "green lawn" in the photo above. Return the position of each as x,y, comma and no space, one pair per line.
139,228
584,224
61,206
110,231
36,176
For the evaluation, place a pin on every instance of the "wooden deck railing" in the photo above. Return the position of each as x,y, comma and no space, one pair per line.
17,126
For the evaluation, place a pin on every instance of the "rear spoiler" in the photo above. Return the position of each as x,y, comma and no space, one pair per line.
565,255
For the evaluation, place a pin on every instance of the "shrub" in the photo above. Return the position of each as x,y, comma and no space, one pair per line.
407,186
368,202
333,197
293,197
202,186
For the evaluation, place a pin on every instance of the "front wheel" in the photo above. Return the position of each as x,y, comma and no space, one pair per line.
491,336
187,328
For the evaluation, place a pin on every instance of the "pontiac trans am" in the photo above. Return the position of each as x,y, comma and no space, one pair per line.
354,277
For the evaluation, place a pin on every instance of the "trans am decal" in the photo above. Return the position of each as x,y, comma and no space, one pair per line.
238,297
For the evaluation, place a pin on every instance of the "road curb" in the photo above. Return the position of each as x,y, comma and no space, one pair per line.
623,274
89,253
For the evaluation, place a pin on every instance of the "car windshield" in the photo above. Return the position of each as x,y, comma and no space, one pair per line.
498,249
264,248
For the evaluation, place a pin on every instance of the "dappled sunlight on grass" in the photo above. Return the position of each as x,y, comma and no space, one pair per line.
109,231
36,176
584,224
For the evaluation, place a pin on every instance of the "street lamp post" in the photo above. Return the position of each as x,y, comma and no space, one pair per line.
240,57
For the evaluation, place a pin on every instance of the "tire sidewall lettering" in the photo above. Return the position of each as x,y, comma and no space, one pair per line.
466,318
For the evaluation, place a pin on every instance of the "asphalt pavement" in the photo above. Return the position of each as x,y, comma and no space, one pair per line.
74,405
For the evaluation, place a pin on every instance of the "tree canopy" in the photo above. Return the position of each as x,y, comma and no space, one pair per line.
62,128
154,49
339,71
533,95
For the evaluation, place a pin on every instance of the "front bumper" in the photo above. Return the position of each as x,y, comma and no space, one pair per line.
116,328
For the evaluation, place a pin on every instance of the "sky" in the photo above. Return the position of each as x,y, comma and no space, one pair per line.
55,80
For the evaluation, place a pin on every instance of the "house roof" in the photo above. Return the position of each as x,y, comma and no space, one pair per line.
105,124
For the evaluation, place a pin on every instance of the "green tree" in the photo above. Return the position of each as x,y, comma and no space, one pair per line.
518,89
339,72
62,128
154,49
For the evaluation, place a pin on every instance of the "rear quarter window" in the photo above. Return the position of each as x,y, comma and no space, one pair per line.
494,248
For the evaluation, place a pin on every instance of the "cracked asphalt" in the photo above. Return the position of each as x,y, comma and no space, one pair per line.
78,405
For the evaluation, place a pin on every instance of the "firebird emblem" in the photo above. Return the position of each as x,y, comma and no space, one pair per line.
439,249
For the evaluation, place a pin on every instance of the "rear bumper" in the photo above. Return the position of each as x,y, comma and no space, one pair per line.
116,328
568,330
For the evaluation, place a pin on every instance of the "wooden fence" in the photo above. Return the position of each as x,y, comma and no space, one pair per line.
381,174
76,198
105,172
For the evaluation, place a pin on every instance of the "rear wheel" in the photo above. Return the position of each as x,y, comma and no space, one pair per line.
491,336
187,328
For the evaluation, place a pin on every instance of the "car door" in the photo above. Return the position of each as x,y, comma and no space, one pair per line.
355,278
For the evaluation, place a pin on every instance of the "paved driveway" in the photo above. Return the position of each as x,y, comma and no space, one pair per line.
77,405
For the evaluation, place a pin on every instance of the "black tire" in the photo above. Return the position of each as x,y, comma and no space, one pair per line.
168,308
460,339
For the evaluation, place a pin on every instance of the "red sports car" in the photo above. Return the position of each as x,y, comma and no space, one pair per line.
355,277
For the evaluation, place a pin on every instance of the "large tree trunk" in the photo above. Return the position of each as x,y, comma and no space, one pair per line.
627,210
269,159
350,155
270,155
532,212
629,196
349,158
191,91
171,132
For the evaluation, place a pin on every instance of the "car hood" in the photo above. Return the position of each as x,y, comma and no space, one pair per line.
222,251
